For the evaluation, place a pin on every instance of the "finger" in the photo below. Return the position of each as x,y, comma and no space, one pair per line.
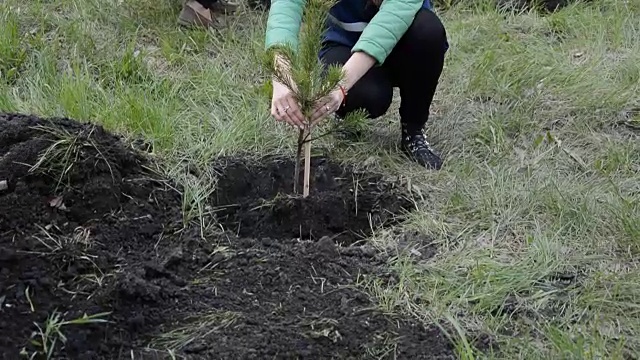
320,109
285,111
326,110
331,108
298,118
278,113
295,114
281,109
286,118
286,115
275,112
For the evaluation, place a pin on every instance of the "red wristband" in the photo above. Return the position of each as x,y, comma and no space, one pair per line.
344,95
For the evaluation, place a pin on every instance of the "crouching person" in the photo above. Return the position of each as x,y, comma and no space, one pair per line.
381,45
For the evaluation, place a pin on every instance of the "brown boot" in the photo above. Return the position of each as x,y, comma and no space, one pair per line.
225,6
193,14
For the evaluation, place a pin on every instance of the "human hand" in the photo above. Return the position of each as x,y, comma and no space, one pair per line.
327,105
284,106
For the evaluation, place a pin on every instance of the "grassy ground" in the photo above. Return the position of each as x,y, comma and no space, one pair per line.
535,216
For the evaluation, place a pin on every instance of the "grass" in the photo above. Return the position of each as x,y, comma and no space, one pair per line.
197,328
536,212
46,339
65,152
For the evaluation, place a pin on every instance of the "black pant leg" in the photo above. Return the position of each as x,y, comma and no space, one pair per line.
415,65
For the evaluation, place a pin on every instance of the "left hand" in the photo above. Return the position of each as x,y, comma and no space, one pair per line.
327,106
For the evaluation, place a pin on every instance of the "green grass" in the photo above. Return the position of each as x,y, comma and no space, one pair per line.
51,333
536,213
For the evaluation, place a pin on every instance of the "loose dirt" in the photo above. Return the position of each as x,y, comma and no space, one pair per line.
92,230
255,199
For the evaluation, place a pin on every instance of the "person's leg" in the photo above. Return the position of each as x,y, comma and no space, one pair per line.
372,93
415,65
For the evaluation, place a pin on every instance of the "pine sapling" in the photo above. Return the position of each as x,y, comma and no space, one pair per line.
301,71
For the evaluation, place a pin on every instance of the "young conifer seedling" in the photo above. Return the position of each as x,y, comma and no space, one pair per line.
300,70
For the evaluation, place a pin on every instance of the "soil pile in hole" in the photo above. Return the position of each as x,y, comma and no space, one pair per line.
256,199
100,234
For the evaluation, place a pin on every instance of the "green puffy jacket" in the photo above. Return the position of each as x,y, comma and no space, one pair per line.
354,24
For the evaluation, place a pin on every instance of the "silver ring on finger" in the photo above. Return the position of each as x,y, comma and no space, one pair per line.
328,108
286,109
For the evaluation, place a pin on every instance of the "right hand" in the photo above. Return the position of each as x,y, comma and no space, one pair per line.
284,106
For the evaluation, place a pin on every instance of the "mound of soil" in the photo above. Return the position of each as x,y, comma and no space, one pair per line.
87,229
256,200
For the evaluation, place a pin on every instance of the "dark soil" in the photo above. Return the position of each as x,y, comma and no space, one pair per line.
256,200
105,235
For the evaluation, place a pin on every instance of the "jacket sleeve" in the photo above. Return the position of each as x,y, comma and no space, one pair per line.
283,23
387,27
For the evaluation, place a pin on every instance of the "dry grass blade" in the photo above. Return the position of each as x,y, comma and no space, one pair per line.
65,151
197,328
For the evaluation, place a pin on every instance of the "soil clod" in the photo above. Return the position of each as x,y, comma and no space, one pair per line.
93,248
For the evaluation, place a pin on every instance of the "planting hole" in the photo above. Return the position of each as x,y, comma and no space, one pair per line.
255,199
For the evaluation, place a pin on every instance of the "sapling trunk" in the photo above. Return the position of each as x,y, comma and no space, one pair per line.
303,142
307,162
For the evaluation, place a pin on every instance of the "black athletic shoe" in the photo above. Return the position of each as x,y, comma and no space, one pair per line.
417,148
